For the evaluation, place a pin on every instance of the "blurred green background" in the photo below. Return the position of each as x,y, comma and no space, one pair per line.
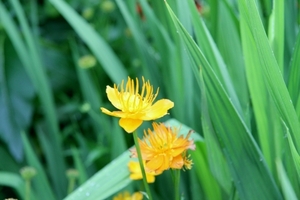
230,66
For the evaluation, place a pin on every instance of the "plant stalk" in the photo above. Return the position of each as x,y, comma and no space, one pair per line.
176,183
138,150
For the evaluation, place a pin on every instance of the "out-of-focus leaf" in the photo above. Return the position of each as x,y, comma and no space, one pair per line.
14,181
110,62
16,94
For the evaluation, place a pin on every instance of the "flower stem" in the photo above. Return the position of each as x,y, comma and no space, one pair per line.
138,150
176,180
27,189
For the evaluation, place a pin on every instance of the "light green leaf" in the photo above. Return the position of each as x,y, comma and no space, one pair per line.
246,163
287,188
14,181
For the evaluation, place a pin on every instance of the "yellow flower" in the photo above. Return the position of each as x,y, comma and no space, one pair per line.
127,196
134,108
163,149
136,173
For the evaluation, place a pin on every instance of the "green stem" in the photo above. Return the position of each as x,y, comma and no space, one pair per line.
27,189
138,150
71,185
176,183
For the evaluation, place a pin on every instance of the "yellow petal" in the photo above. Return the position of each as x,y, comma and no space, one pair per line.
137,196
178,151
130,125
158,109
114,113
150,178
136,176
158,164
177,162
113,98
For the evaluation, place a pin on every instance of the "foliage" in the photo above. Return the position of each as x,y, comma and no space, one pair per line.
231,67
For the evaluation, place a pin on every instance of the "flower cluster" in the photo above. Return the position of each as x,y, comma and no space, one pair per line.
163,149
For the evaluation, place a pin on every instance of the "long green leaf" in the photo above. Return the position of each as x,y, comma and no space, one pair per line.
276,32
295,154
210,187
209,48
252,30
247,166
294,76
266,115
287,188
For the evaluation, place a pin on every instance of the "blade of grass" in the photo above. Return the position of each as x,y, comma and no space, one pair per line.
177,80
294,76
10,128
276,32
246,163
252,30
213,56
216,159
260,61
263,105
295,154
287,188
291,30
105,55
229,44
209,185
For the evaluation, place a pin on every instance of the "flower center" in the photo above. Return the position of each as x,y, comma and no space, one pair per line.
130,98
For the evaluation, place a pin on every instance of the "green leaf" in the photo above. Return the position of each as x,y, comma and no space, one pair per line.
209,185
112,178
246,164
295,154
14,181
256,44
287,188
276,32
294,76
16,95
